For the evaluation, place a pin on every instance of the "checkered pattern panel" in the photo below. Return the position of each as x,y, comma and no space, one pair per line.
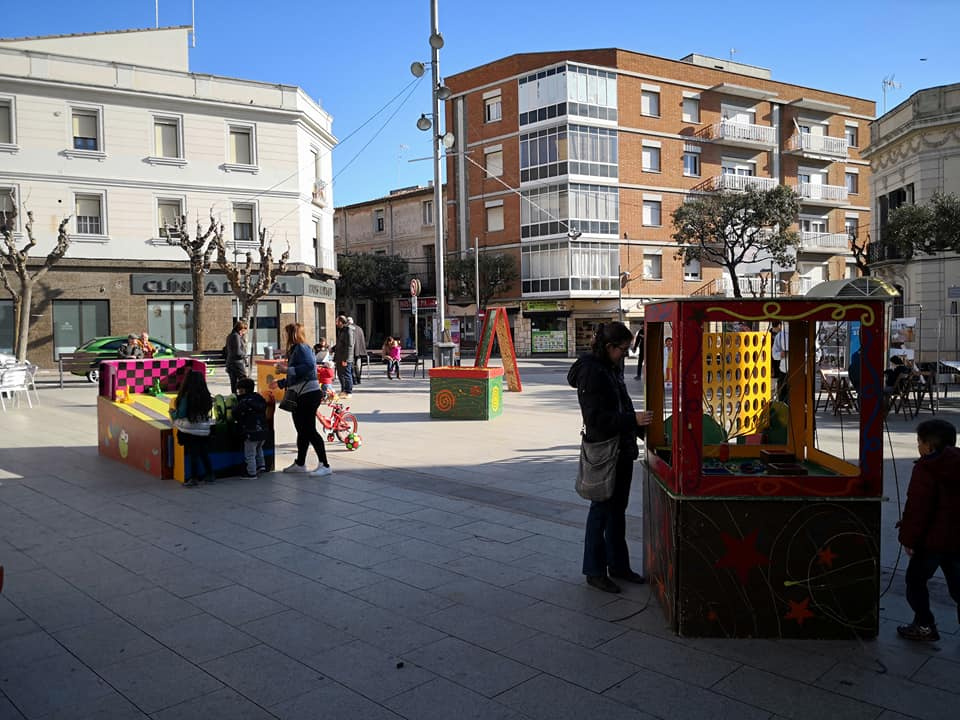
139,375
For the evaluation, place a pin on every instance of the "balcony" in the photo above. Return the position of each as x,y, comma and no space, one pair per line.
742,134
739,183
833,243
817,147
818,194
750,286
879,252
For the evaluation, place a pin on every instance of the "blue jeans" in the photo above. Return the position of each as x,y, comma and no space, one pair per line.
921,568
345,373
253,454
605,541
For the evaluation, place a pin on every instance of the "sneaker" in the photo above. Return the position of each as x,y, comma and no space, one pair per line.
190,482
913,631
629,576
261,470
249,476
345,396
602,582
294,468
322,471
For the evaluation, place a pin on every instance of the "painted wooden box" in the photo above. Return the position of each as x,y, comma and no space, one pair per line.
466,393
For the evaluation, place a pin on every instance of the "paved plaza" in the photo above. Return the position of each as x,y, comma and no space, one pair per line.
435,575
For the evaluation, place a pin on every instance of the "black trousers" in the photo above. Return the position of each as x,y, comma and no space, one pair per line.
305,421
921,568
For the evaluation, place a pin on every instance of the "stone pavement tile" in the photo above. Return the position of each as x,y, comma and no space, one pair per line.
574,663
575,595
315,566
339,491
203,637
263,577
14,622
159,680
371,517
65,610
490,549
305,534
547,528
51,684
789,698
370,671
185,579
207,553
471,666
264,675
109,707
392,505
107,642
442,518
781,657
400,597
236,604
483,595
295,634
885,715
352,552
412,572
478,627
488,570
27,648
239,538
95,575
256,520
152,609
667,697
426,552
224,704
937,672
670,658
390,631
886,652
567,624
8,711
367,534
15,561
548,545
891,692
441,699
425,531
33,584
494,531
549,698
331,701
550,566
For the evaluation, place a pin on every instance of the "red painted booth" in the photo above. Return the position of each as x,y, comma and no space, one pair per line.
753,527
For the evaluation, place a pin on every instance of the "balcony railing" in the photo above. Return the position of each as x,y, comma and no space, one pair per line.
823,241
736,133
801,286
752,286
885,252
729,181
816,192
817,144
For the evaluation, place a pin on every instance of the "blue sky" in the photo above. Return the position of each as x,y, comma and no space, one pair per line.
355,56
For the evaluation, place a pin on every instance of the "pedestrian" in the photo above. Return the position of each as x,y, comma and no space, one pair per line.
391,353
638,348
148,348
775,327
359,350
301,370
325,374
668,362
854,370
930,527
236,354
322,351
779,354
608,411
343,356
251,417
131,349
190,411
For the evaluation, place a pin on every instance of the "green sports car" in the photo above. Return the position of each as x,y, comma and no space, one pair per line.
107,348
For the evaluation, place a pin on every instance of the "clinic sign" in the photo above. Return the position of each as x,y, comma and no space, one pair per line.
154,284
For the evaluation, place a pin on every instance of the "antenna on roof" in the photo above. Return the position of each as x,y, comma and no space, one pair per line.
888,82
733,51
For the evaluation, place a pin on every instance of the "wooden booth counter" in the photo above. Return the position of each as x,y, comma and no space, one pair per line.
466,393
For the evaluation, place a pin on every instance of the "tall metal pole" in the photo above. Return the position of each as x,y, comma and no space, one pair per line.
476,282
437,186
619,293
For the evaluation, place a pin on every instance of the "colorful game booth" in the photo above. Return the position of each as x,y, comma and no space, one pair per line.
750,528
134,426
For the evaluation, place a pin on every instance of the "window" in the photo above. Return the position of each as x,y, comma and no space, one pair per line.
243,224
851,135
7,134
652,266
650,103
430,279
593,151
852,182
544,210
492,108
320,319
691,164
8,207
241,147
89,214
691,109
168,213
426,210
6,326
316,243
172,322
651,213
86,129
166,138
595,209
264,326
851,226
493,158
691,269
651,159
378,225
77,321
495,217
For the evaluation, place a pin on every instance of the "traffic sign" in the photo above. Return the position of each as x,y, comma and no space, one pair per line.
414,287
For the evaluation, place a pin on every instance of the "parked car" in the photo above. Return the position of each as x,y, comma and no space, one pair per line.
107,348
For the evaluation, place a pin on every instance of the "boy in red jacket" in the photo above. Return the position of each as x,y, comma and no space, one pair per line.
930,528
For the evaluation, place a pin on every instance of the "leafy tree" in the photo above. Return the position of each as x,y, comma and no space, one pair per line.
374,277
14,262
734,228
498,272
199,250
929,228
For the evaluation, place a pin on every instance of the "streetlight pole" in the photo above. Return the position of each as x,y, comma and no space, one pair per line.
476,284
436,42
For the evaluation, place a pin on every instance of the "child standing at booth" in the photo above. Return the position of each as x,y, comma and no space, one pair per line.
190,412
251,416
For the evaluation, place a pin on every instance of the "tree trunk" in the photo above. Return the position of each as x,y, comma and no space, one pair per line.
735,280
23,329
196,275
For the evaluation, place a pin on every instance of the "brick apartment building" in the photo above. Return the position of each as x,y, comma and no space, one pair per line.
574,161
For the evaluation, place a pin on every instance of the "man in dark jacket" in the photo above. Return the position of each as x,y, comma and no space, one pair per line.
343,356
236,354
930,527
131,349
359,350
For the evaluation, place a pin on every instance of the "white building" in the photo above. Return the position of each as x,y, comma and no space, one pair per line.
114,130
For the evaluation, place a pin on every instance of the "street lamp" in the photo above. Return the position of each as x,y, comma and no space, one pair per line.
623,277
441,142
476,283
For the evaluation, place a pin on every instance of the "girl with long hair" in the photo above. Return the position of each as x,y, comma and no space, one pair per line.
190,412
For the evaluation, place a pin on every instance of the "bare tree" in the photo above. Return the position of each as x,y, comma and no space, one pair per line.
860,256
199,250
14,261
250,281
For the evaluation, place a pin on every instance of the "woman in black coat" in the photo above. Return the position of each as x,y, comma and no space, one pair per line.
608,411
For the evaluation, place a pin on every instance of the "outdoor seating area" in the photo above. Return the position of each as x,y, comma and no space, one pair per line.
17,381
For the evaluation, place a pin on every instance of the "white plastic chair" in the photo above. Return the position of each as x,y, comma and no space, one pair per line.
15,380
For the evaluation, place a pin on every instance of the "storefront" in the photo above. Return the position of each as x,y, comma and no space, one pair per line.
548,326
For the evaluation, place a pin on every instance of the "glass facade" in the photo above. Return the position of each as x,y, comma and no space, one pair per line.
568,265
595,209
568,90
77,321
171,321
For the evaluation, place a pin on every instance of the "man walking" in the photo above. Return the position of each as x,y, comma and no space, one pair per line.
359,350
343,356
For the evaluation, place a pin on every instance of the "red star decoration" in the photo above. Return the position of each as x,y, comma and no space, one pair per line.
741,555
826,557
799,611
